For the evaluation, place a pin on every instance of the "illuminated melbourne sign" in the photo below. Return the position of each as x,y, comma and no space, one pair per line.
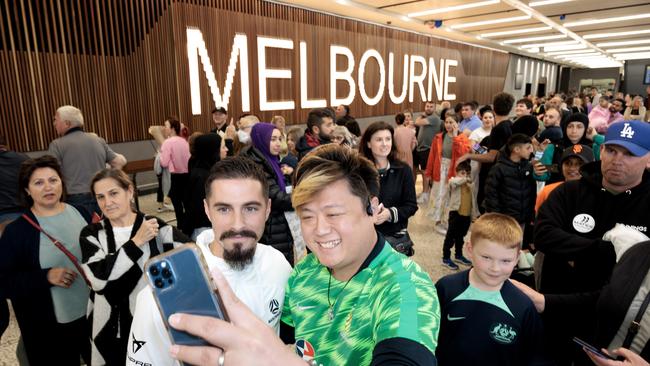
436,74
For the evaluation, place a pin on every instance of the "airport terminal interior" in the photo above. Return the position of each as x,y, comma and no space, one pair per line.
463,108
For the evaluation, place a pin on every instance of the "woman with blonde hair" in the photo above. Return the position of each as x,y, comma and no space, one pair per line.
342,136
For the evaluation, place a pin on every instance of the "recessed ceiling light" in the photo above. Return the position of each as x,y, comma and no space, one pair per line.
490,21
628,49
623,43
532,39
515,31
533,4
615,34
606,20
405,18
453,8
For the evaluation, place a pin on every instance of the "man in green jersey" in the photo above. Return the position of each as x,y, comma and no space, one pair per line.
352,301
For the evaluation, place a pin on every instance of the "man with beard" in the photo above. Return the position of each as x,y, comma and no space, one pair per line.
320,125
237,204
615,110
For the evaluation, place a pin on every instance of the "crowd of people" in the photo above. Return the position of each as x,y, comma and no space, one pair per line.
559,190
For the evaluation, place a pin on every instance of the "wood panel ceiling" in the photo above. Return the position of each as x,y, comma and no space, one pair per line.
581,33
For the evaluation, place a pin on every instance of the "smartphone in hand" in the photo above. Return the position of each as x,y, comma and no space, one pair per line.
592,349
181,284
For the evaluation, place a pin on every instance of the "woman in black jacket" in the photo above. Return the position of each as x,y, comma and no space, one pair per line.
265,150
397,187
206,151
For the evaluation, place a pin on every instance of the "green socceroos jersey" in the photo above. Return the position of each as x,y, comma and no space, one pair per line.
390,298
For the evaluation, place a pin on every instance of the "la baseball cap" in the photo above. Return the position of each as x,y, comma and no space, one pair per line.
632,135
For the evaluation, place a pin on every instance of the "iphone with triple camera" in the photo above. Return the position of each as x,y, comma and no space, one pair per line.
181,284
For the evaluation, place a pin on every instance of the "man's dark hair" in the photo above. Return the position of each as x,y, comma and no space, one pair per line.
516,140
458,107
605,97
465,166
475,104
616,100
502,103
315,117
469,104
27,168
484,109
400,118
237,167
175,125
527,102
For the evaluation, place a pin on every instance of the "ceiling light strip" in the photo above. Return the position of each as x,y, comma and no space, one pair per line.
616,34
624,43
490,21
565,52
550,44
532,39
515,31
606,20
533,4
628,49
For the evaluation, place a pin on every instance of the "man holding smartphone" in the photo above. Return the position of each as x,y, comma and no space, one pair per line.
237,204
352,301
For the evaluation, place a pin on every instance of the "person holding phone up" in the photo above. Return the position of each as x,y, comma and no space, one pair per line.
352,287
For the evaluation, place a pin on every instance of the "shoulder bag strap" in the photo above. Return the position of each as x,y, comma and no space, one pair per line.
60,246
633,329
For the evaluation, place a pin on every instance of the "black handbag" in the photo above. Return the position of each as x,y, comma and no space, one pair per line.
401,242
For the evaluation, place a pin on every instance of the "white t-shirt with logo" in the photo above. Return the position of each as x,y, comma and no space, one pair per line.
260,286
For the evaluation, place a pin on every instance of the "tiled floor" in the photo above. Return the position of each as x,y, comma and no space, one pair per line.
428,252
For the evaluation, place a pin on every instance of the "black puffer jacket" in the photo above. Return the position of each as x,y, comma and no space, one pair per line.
276,233
510,189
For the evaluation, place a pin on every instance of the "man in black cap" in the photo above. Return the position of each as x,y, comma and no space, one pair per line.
220,119
221,127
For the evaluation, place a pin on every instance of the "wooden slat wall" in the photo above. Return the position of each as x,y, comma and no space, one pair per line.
124,62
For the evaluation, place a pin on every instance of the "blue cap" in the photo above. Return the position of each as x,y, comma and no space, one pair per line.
632,135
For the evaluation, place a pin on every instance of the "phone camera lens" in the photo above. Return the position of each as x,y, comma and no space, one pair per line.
154,270
166,273
159,283
170,281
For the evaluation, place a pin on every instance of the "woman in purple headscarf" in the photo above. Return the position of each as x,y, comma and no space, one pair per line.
265,150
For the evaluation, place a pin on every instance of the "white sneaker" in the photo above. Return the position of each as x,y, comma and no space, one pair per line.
440,229
423,198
